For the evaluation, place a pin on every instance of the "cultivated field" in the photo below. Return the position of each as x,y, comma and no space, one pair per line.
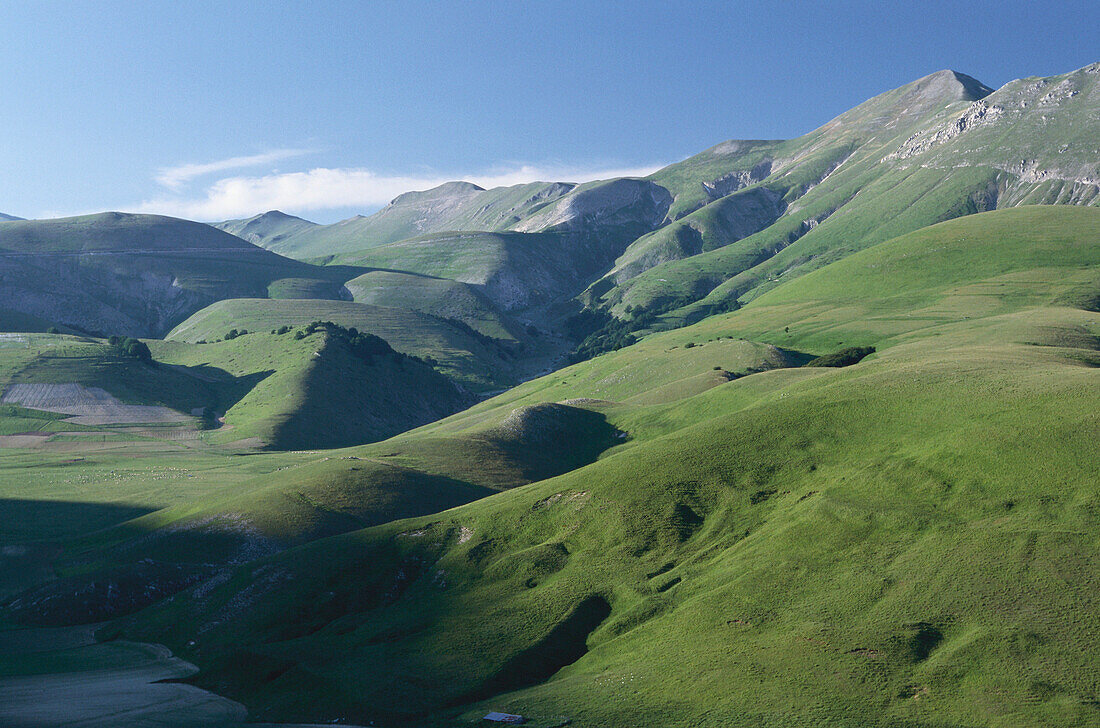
88,405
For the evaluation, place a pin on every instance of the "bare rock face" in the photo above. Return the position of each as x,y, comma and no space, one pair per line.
733,181
977,114
1036,130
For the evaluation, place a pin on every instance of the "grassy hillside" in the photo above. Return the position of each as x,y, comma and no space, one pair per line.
268,230
515,271
708,234
316,392
906,541
452,206
475,360
139,275
696,529
938,148
438,297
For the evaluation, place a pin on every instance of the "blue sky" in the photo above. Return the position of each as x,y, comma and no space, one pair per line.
224,109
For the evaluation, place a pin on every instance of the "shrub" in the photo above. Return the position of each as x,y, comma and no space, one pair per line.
601,332
132,347
53,330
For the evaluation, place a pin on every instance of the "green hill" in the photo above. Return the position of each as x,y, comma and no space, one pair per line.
316,391
268,230
476,360
708,234
906,541
515,271
438,297
695,529
938,148
452,206
139,275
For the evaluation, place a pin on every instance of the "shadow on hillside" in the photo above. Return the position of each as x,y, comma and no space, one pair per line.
31,532
796,358
32,521
217,389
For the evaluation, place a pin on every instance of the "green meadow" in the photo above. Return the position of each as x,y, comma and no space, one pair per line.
693,530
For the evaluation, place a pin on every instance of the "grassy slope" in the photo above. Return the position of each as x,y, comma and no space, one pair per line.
452,206
797,547
59,359
513,270
267,230
435,296
312,393
475,362
140,274
857,181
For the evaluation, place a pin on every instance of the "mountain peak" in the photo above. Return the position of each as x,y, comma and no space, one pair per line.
280,216
959,85
445,190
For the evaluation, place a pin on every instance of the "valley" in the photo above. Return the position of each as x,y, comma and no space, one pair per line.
792,432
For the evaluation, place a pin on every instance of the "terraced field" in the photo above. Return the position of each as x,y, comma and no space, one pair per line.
88,405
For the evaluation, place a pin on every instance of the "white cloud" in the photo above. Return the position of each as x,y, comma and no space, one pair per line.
175,177
327,189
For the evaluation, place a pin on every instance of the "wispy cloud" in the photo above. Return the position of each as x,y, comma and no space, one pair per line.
175,177
329,189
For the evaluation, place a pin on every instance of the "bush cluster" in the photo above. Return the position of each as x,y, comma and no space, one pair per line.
361,344
131,347
601,332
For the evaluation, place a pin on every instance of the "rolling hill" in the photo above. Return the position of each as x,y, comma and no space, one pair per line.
708,234
139,275
826,454
897,542
940,147
475,360
267,230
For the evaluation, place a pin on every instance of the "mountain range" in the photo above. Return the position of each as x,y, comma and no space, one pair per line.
792,432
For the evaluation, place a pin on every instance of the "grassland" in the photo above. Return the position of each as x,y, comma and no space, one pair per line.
693,530
139,275
897,542
476,361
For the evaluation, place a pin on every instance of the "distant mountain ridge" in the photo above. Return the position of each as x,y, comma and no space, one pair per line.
139,275
266,230
708,233
4,217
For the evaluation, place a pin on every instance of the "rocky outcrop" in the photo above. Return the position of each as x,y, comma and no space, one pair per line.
731,182
977,114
